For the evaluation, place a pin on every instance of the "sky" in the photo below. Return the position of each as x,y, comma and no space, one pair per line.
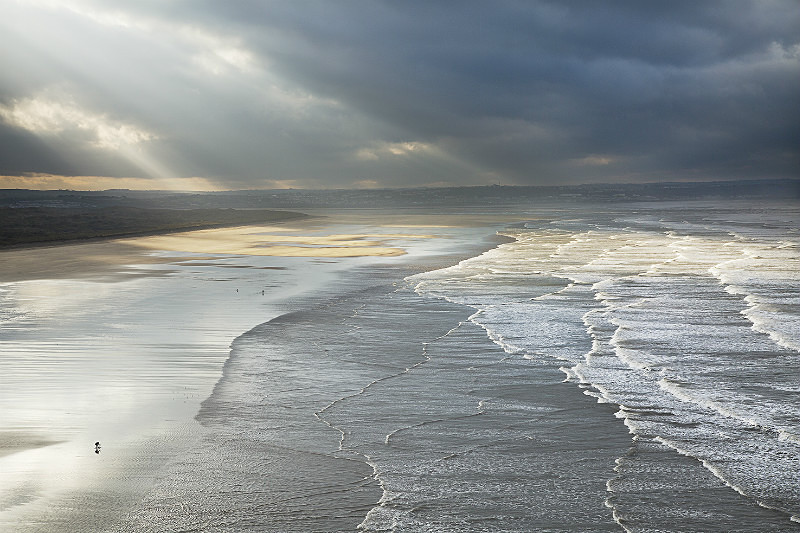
259,94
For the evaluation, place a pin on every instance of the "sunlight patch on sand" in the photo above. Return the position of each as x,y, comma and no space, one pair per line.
417,226
264,240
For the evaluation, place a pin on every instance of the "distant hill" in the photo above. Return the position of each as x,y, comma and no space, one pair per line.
37,225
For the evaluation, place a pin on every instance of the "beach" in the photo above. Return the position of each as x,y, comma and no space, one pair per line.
119,342
558,368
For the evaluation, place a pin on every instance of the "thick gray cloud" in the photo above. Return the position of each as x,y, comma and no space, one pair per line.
340,94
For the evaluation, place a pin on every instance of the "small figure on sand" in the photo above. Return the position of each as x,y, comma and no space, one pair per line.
97,447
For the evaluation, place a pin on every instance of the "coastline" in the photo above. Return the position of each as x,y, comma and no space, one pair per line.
110,257
167,317
327,378
283,217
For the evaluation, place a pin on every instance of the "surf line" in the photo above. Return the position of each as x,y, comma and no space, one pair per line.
320,415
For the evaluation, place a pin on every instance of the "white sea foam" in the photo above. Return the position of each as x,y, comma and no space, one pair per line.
691,326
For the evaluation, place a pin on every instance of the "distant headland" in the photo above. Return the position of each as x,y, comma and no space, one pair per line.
31,217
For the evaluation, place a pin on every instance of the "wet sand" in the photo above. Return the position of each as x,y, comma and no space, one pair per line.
120,341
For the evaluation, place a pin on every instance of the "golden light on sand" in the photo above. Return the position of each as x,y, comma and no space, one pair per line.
265,240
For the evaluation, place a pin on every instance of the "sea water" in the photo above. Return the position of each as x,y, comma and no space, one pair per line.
685,319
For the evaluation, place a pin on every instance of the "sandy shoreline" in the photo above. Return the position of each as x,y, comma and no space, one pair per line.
110,258
263,240
120,340
97,256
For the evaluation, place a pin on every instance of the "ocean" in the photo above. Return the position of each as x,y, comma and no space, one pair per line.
607,367
685,320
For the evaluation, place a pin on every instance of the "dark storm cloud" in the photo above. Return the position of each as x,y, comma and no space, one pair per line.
21,151
409,93
509,85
